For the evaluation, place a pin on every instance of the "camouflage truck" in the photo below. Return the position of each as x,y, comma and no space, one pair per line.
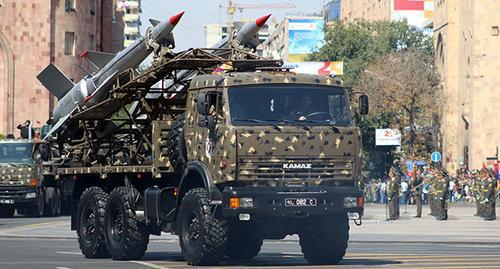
254,153
27,183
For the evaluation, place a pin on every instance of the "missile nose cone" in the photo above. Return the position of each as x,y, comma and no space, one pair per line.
176,18
262,20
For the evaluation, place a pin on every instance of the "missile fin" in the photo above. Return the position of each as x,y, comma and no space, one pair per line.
57,126
55,81
154,22
97,58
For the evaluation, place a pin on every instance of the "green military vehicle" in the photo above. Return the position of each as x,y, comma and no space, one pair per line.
223,160
26,181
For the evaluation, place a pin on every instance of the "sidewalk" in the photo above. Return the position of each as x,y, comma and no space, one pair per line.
461,228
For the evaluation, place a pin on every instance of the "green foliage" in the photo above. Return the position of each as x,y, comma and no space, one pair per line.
359,43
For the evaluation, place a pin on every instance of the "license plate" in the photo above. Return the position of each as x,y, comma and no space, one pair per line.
3,201
300,202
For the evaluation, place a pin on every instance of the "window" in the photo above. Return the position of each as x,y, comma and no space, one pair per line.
69,5
69,43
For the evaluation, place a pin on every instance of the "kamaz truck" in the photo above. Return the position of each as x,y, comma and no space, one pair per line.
27,183
240,152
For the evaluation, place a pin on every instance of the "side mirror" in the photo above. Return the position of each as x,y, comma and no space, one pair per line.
206,122
363,104
45,152
202,104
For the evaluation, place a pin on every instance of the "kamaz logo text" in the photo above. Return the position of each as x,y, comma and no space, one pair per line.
297,166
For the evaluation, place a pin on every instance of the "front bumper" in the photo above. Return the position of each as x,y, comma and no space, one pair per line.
270,201
17,195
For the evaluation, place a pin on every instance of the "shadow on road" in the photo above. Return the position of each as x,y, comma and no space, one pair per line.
269,259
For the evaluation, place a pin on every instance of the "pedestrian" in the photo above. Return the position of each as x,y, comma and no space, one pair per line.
382,190
417,191
404,192
25,129
393,194
442,189
490,196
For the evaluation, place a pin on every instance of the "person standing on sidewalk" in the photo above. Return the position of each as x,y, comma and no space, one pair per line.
432,192
443,183
417,191
490,196
393,194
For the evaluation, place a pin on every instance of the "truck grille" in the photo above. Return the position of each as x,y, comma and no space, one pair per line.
10,192
295,168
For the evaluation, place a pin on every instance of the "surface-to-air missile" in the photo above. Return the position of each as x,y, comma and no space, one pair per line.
245,37
93,88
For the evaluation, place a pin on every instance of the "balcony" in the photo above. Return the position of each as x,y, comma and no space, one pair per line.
131,17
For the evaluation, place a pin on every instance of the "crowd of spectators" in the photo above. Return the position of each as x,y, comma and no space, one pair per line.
459,189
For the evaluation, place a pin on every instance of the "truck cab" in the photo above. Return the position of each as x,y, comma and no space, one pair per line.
25,180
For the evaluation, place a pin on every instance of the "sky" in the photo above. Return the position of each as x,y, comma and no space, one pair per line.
190,32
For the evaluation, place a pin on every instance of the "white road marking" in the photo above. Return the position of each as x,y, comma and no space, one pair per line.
150,265
69,252
63,268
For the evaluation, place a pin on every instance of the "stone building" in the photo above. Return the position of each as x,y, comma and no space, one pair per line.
34,33
467,41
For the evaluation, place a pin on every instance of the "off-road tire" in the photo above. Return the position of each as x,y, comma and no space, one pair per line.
90,215
50,208
324,240
202,233
58,201
127,237
242,246
176,145
7,211
38,209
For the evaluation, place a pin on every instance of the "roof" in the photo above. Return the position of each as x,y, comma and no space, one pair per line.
263,77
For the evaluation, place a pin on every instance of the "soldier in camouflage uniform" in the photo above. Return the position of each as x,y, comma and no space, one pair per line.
441,191
432,179
475,184
490,196
393,194
417,190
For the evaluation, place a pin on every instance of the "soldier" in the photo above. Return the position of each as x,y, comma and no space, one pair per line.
432,187
442,184
475,191
417,191
393,194
490,196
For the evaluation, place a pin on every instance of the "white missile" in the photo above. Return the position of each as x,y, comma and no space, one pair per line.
93,89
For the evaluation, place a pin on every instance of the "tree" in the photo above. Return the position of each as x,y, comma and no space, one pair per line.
358,44
405,85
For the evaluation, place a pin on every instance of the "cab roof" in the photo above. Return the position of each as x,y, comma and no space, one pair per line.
262,77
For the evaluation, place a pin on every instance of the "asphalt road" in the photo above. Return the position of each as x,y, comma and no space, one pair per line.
462,242
64,253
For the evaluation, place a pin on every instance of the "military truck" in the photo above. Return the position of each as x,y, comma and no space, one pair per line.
224,160
27,183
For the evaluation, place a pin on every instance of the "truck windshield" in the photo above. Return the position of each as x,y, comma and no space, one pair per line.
16,153
289,104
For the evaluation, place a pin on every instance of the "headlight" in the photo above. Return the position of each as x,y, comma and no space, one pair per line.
350,202
31,195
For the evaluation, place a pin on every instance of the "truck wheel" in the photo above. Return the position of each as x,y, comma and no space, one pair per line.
58,202
50,206
90,222
176,145
127,237
7,211
241,246
202,234
325,240
37,210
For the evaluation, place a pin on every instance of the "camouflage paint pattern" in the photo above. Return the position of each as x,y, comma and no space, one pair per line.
258,153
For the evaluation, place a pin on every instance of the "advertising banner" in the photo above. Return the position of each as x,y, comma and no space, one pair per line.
304,36
387,137
317,68
417,12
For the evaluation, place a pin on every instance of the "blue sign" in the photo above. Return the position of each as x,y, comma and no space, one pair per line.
304,37
436,156
409,165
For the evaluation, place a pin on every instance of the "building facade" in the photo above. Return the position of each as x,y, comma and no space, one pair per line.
34,33
417,12
131,10
467,42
